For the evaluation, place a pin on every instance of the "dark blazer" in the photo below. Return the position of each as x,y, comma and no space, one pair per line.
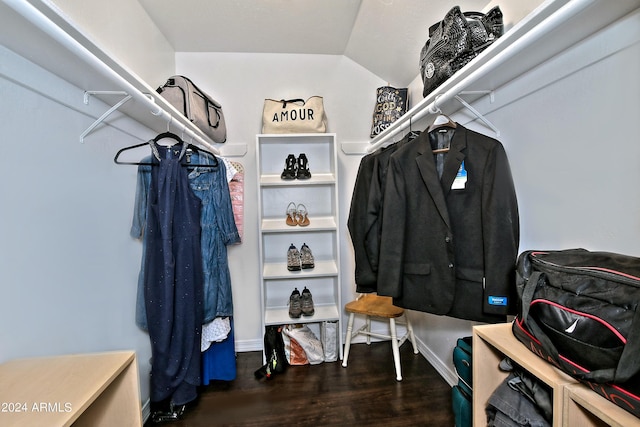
359,225
365,214
450,251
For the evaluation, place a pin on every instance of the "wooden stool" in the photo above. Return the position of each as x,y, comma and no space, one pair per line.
372,305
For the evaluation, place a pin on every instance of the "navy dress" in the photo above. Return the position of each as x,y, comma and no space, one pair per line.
173,278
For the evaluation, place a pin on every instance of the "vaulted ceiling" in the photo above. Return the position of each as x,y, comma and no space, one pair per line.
383,36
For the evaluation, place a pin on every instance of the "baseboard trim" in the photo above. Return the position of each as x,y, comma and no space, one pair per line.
445,372
146,411
248,345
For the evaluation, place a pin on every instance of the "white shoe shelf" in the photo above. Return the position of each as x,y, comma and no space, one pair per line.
319,195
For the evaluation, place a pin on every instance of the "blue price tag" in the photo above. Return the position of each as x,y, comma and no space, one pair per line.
493,300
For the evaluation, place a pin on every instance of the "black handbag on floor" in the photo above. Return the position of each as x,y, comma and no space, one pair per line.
580,311
455,41
273,352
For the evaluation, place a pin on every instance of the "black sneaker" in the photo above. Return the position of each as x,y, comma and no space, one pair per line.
307,302
295,307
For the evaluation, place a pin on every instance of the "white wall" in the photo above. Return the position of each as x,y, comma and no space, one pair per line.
123,29
68,268
241,82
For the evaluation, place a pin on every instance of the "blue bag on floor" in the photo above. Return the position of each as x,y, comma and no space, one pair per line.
461,401
462,392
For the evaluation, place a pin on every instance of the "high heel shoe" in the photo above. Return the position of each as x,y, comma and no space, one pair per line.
303,167
292,214
303,215
289,171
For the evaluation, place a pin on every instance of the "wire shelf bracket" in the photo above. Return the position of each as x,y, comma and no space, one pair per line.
102,118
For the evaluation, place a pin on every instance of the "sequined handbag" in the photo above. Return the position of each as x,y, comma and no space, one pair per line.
455,41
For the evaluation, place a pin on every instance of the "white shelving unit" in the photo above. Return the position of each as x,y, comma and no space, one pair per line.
320,197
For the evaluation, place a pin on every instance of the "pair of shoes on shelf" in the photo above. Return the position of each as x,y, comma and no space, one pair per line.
297,215
301,304
299,259
296,168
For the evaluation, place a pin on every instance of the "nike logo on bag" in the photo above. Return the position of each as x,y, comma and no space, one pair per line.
572,328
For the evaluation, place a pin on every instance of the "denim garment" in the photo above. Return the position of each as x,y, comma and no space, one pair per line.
218,230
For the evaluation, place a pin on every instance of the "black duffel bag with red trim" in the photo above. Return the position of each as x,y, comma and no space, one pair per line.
580,311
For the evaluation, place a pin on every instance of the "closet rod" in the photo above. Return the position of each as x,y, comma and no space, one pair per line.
36,17
428,104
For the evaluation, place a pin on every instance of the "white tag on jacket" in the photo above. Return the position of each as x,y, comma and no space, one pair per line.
460,182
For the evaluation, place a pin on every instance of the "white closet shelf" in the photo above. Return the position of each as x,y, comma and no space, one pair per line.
552,28
37,31
280,315
271,225
316,179
275,271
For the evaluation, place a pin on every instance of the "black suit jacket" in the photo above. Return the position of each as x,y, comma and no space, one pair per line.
450,251
365,215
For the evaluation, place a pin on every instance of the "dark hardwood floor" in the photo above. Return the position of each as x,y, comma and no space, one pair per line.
364,393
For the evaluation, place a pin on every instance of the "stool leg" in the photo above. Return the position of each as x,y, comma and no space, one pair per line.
411,336
394,347
347,344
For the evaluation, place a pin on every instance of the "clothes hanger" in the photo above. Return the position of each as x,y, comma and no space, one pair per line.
413,134
442,121
193,148
172,135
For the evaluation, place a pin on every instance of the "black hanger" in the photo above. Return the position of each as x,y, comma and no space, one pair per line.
168,135
190,148
413,134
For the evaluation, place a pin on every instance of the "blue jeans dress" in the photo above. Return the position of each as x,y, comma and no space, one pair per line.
173,278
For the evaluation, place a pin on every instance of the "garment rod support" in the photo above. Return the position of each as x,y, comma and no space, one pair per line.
104,116
478,114
88,93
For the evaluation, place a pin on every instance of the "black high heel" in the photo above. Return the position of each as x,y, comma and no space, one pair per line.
289,171
303,167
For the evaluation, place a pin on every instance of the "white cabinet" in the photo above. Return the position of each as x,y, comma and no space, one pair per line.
319,195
